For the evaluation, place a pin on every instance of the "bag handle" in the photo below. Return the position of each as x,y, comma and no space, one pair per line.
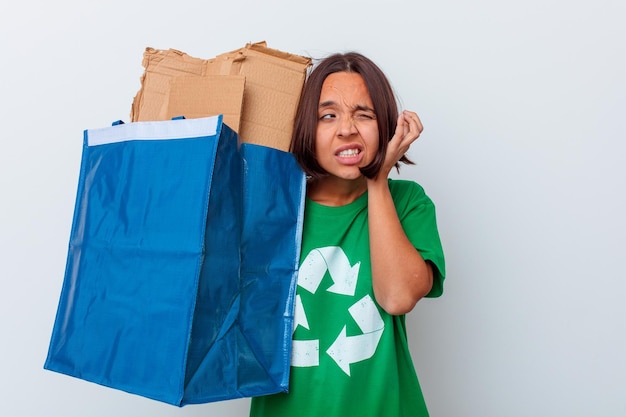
121,122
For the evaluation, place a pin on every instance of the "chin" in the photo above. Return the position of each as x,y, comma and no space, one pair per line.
352,176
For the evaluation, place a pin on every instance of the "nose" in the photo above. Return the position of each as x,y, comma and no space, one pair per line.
346,127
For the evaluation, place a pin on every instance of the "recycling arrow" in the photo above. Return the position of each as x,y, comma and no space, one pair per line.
299,316
305,353
331,259
346,350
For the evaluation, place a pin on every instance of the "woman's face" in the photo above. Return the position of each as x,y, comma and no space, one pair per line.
347,130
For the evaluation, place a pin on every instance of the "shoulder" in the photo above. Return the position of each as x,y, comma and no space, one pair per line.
406,192
404,185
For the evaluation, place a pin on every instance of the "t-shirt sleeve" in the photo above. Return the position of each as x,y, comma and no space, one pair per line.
418,218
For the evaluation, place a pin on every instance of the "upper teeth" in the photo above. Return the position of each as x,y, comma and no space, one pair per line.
349,152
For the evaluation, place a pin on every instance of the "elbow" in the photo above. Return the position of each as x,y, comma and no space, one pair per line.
404,300
398,308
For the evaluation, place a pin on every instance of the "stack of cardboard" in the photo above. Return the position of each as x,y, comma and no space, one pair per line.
256,88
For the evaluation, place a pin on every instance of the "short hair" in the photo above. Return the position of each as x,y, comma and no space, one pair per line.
385,109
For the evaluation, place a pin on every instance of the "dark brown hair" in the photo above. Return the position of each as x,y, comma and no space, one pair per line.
383,98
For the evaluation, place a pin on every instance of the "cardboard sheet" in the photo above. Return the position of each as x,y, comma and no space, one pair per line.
256,88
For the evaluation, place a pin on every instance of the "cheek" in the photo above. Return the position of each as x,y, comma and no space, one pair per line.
368,130
321,137
371,139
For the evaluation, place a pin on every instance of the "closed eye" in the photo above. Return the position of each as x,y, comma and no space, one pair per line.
365,116
363,112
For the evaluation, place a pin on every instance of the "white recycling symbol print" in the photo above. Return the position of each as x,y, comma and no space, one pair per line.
345,349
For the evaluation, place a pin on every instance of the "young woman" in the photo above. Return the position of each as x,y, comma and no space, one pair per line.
370,250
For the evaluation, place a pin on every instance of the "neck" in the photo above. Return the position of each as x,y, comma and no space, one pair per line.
333,191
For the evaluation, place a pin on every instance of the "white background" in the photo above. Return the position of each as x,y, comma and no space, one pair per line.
524,107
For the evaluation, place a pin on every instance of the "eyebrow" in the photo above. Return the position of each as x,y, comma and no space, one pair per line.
358,107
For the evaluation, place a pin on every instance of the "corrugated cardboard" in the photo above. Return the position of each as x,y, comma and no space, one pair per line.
221,94
265,81
176,84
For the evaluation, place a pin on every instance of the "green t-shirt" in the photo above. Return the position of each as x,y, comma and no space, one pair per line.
351,358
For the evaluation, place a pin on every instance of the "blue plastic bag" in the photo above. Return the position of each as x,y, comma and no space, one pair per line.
182,264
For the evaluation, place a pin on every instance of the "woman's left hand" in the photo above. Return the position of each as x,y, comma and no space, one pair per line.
408,129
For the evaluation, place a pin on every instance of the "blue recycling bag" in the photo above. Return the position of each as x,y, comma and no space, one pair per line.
182,264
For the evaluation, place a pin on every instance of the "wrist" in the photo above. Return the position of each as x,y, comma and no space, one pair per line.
377,185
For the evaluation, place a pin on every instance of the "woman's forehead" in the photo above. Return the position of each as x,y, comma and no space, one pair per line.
345,88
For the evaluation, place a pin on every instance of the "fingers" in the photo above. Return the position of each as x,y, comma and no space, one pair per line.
408,129
412,125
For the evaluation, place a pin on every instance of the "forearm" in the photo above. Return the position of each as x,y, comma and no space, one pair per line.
400,276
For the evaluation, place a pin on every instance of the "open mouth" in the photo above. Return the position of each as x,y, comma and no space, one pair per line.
348,153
